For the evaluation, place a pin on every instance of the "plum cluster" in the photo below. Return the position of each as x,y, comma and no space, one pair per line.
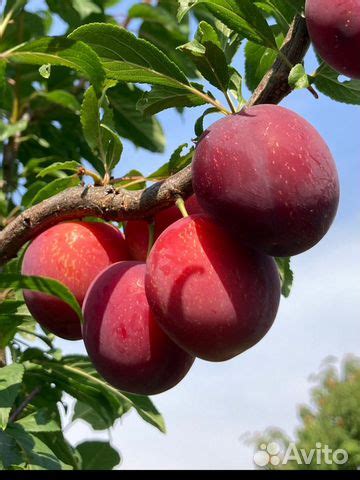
265,185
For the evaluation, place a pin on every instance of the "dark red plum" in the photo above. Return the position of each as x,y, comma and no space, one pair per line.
72,253
268,175
137,231
122,338
334,28
213,296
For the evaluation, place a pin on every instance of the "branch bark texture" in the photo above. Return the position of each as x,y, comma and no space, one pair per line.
110,204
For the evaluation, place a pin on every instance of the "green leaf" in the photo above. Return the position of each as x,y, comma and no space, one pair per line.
97,455
62,51
33,25
130,123
61,448
2,80
76,12
128,58
167,40
259,59
147,411
85,412
155,14
10,306
54,187
177,162
160,173
199,124
241,16
37,455
14,6
160,98
29,333
68,166
31,192
10,384
39,421
13,314
112,146
76,375
298,78
235,86
8,327
327,82
8,130
280,10
9,451
297,6
135,184
50,394
108,406
111,143
40,284
3,204
286,274
45,70
62,98
85,7
207,54
90,120
230,41
14,265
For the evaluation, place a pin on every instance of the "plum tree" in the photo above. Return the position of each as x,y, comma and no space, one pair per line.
210,294
267,174
122,337
137,231
72,253
265,180
334,28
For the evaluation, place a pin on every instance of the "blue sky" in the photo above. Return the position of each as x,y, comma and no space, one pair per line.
216,404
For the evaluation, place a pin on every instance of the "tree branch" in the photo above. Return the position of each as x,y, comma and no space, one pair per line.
9,163
24,404
103,202
111,204
275,86
2,357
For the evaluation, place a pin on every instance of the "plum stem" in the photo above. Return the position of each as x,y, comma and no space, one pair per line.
230,103
179,202
313,92
208,99
97,179
151,226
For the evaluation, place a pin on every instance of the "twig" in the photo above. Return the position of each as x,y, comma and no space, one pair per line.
2,357
275,85
24,404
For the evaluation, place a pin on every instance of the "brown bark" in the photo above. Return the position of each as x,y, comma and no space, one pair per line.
119,205
2,357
